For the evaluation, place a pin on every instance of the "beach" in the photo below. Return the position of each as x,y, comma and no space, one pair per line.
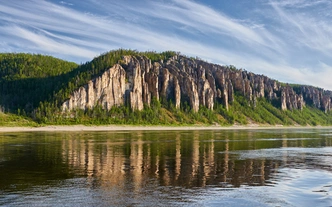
143,128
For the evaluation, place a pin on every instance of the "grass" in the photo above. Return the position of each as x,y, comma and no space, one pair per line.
241,111
12,120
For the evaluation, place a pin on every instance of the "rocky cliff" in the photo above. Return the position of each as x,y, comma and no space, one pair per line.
135,80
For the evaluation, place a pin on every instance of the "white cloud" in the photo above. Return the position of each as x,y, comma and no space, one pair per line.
309,31
300,3
66,3
210,22
287,44
39,40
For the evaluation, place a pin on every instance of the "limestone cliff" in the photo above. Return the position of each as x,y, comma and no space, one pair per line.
136,81
106,90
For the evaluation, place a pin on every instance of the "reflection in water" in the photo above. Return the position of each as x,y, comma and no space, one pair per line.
120,166
181,159
177,157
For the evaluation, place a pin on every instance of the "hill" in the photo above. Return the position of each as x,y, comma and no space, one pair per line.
130,87
26,79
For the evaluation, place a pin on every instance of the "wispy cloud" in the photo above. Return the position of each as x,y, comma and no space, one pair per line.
49,44
300,3
307,30
66,3
283,39
211,23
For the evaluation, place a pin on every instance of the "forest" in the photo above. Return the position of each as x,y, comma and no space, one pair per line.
33,88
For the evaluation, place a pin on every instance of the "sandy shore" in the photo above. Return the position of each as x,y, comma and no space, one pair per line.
140,128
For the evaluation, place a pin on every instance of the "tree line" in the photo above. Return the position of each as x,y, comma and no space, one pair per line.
35,86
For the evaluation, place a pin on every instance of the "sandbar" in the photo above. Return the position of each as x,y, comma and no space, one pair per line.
74,128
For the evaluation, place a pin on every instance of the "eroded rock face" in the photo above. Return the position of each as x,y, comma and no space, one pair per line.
106,90
291,100
194,82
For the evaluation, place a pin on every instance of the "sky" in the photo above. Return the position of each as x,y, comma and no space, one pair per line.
286,40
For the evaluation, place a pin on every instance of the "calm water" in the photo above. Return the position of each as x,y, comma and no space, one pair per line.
280,167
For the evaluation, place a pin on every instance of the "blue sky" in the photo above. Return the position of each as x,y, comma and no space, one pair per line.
287,40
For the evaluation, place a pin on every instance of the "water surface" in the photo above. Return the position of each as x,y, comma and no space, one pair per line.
278,167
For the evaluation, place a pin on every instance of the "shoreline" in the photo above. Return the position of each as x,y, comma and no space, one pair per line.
77,128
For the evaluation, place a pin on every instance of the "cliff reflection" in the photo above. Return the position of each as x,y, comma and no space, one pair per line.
190,159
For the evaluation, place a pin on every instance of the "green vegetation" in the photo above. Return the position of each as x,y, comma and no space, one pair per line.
37,84
32,88
83,74
240,112
12,120
21,66
26,80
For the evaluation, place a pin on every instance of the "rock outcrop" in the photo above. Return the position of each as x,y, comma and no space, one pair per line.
106,90
187,81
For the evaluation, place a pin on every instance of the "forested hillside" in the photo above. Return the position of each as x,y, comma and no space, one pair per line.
27,79
130,87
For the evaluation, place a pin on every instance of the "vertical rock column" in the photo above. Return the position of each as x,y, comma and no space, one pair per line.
106,90
134,86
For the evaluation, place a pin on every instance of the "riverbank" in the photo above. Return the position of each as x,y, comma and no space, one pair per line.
144,128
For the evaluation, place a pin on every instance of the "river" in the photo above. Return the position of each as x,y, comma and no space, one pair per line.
258,167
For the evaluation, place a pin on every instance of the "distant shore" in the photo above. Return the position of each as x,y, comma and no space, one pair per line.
144,128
